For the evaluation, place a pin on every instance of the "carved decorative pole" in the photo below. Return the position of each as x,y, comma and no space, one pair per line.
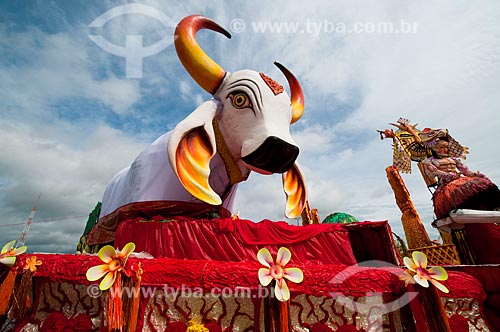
416,235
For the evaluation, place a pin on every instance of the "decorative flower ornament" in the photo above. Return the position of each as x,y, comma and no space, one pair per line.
407,277
31,263
195,325
422,275
277,271
9,253
115,262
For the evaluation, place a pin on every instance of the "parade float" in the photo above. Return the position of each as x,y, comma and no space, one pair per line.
165,253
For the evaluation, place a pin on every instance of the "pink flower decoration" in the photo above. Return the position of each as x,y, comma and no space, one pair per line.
115,261
9,253
278,272
423,274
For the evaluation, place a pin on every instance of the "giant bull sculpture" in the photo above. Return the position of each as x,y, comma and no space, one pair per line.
244,128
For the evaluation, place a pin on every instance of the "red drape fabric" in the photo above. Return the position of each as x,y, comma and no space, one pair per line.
372,240
484,239
237,240
209,275
458,323
58,322
487,275
188,276
104,230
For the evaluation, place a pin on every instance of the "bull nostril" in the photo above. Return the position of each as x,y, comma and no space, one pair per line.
274,155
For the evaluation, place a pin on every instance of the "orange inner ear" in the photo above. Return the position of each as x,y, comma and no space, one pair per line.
193,165
295,191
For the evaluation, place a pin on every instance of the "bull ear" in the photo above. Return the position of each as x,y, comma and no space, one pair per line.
295,190
191,146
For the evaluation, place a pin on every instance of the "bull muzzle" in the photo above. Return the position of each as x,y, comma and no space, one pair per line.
273,156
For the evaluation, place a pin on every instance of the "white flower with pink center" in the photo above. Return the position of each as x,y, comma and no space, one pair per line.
277,271
423,275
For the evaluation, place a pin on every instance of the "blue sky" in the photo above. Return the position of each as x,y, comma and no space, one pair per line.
70,118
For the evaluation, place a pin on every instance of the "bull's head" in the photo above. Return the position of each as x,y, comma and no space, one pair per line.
247,123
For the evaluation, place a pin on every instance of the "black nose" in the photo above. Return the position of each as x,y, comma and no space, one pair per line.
274,155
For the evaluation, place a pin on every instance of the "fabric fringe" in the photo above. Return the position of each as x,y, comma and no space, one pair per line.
276,317
455,194
132,307
434,310
6,290
115,306
284,317
23,291
429,312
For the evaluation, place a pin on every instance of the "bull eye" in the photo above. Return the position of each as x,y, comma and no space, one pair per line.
240,100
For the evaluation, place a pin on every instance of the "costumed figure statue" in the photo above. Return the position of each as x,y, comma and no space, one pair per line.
458,187
193,170
440,160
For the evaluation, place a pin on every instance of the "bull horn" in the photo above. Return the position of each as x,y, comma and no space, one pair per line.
198,64
297,97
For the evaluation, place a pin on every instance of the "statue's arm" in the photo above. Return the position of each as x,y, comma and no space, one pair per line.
465,170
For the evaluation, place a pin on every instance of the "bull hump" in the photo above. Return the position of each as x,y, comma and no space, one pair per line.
275,87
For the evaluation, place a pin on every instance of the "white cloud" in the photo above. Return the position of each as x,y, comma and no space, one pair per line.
71,180
57,67
119,94
314,139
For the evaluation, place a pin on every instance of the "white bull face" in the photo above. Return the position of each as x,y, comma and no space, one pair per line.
254,119
247,123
